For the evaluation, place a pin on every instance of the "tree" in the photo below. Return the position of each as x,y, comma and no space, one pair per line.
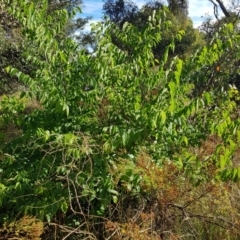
230,13
229,64
120,11
220,4
70,5
11,39
76,25
177,16
179,7
85,152
9,49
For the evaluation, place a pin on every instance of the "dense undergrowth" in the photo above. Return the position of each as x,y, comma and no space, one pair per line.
103,147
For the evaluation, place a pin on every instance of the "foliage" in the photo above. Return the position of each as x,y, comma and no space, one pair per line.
115,132
228,65
178,7
120,11
139,18
9,49
11,33
222,64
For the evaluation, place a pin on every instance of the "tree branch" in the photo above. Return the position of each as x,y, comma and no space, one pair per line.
222,6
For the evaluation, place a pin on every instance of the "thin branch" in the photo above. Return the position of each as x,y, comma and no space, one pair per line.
215,8
222,6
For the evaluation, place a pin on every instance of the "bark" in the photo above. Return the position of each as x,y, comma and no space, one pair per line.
222,6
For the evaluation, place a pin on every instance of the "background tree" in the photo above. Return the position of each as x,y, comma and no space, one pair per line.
11,39
180,21
75,26
228,66
217,4
10,48
125,11
230,15
179,7
120,11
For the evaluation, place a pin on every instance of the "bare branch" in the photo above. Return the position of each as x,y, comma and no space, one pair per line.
222,6
215,8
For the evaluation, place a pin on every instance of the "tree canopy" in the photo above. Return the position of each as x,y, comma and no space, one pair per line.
120,11
178,16
118,144
179,7
11,38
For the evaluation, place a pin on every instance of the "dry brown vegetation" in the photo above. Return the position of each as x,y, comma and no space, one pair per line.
170,206
25,228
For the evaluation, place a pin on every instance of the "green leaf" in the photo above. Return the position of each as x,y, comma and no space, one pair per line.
124,138
66,108
163,117
185,140
115,199
238,173
178,72
172,87
48,217
64,206
165,56
222,161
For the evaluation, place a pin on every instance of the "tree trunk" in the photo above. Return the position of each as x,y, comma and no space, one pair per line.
222,6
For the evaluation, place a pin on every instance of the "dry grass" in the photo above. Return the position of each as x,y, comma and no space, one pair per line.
171,207
168,206
26,228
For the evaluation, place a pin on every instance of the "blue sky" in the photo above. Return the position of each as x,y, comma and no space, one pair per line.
198,9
